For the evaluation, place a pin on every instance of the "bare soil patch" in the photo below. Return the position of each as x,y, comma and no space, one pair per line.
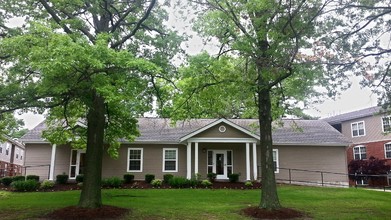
283,213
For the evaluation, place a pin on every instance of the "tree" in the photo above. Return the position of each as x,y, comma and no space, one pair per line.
356,36
374,169
93,65
260,69
10,126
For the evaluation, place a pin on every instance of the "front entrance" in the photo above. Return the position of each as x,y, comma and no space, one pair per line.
77,163
220,163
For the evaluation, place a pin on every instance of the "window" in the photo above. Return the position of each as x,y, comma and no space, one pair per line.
358,129
135,159
275,161
386,122
1,148
387,150
21,154
170,159
7,149
360,152
17,154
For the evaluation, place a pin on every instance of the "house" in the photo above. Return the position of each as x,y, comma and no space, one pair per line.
201,146
369,131
11,157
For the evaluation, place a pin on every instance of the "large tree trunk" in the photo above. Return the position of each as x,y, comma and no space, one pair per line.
269,197
91,191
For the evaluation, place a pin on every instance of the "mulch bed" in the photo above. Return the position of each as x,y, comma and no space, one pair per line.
283,213
74,212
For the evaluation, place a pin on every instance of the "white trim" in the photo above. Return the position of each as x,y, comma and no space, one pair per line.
223,140
314,144
223,120
358,129
248,161
196,158
77,165
176,160
255,162
385,151
277,161
360,152
141,160
188,161
52,162
382,122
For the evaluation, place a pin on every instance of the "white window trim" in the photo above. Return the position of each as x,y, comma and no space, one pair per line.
164,160
141,160
358,133
359,146
382,123
7,149
385,152
277,161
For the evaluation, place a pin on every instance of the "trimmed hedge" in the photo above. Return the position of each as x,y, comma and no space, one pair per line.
179,182
114,182
18,178
62,178
6,181
25,186
167,177
233,177
32,177
149,178
79,178
128,178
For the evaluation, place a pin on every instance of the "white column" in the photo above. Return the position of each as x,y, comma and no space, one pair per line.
52,162
255,162
247,161
196,158
188,171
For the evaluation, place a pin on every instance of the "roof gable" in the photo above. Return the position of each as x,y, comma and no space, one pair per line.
216,126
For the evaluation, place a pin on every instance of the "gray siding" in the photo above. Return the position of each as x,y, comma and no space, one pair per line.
373,130
214,132
314,158
38,160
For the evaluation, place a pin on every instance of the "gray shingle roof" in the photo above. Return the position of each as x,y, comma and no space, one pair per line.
289,132
353,115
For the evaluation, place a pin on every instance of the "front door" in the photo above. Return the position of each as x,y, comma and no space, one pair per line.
220,163
77,163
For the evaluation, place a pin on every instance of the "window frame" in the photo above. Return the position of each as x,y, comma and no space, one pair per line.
360,152
389,123
358,129
164,160
1,148
385,150
141,159
7,149
277,161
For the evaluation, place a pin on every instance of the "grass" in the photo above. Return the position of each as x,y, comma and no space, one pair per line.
318,203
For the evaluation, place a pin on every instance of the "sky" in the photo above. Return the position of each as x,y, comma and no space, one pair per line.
352,99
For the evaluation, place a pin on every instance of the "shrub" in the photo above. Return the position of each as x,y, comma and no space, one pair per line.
114,182
212,177
6,181
128,178
62,178
178,182
248,184
149,178
79,178
233,177
206,183
18,178
32,177
156,182
23,186
193,182
167,177
47,184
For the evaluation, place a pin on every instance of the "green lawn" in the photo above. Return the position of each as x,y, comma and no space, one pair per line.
318,203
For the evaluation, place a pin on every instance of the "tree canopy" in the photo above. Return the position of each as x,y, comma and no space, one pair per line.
93,65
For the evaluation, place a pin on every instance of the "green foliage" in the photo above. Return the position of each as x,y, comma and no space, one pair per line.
10,126
179,182
79,178
47,184
211,177
206,183
167,177
128,178
248,184
156,182
18,178
233,177
62,178
25,186
149,178
113,182
6,181
32,177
